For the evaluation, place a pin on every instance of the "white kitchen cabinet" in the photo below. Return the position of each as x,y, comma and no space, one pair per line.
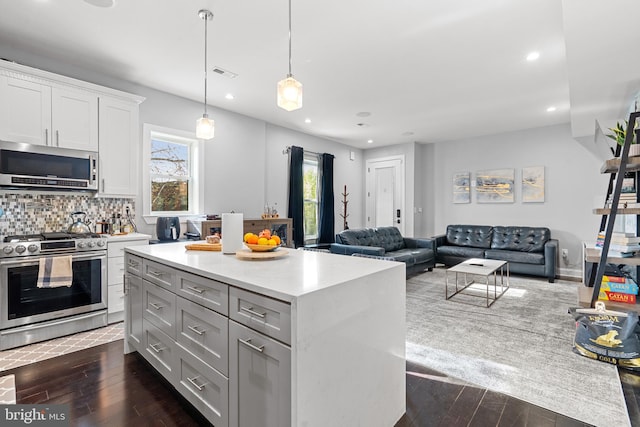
115,273
37,113
119,135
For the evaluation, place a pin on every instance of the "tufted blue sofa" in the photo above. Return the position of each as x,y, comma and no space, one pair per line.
417,254
528,250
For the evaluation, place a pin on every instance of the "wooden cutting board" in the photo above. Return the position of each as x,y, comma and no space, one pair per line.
203,246
251,255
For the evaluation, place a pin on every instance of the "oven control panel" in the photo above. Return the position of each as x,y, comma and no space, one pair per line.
16,249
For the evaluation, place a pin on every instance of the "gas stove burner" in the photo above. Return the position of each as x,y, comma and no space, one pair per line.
54,235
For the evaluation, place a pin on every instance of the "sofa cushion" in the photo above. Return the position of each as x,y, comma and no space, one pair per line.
389,238
358,237
418,255
516,256
524,239
475,236
402,256
461,251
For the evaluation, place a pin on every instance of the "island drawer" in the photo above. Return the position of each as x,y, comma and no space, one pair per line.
203,386
159,274
267,315
159,350
159,308
207,292
133,264
204,333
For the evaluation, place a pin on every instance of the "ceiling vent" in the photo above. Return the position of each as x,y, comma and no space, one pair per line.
226,73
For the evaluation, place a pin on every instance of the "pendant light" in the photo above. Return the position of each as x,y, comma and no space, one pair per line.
205,126
289,89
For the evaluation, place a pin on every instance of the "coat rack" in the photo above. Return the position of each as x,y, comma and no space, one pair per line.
344,215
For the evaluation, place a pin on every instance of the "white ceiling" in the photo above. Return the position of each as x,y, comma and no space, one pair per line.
426,70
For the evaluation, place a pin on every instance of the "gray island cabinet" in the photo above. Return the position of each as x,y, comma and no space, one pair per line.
308,339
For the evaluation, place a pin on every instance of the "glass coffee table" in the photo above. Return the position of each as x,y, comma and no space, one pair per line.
474,268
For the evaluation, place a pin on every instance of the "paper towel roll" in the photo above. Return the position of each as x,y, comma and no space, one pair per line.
232,232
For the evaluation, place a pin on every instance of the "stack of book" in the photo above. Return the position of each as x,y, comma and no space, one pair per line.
618,289
622,245
628,194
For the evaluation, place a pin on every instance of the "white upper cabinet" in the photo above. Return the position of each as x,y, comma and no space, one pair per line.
118,169
40,114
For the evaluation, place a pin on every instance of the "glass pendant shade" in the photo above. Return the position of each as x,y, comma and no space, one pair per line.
205,127
289,93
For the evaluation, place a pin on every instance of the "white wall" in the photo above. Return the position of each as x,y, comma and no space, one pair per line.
244,164
573,185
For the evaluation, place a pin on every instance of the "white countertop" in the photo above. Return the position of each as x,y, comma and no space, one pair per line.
126,237
286,278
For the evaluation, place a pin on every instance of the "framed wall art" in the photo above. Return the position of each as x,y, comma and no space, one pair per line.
495,186
533,184
462,187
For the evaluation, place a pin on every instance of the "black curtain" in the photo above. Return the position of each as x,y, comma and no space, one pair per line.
327,215
296,210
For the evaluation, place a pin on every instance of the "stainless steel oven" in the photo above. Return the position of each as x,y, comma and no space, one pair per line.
30,314
24,303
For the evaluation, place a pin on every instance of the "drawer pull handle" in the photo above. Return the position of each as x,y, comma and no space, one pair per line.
157,350
250,311
156,306
248,344
195,384
133,264
196,330
155,273
194,289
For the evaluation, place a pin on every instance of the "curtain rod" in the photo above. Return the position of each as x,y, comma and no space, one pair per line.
287,150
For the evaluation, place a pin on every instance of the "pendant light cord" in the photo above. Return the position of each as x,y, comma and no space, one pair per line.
290,75
206,18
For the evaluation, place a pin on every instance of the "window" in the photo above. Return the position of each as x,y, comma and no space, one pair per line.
173,173
311,195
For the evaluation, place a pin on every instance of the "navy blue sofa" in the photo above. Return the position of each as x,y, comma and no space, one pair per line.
418,254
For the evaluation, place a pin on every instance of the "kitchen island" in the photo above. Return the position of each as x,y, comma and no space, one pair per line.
308,339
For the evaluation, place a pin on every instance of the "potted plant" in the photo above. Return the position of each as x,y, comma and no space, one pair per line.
619,134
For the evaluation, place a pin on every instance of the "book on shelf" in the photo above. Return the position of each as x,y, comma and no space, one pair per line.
622,288
615,279
617,297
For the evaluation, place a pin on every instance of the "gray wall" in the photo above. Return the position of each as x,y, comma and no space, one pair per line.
573,185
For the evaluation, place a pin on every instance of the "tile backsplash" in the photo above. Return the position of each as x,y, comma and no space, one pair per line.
35,213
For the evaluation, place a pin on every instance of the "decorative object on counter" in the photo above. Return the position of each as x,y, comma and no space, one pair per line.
344,213
270,212
248,254
213,239
79,225
262,242
289,89
103,227
168,228
232,228
205,127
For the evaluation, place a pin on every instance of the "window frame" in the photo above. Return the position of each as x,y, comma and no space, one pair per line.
196,163
314,160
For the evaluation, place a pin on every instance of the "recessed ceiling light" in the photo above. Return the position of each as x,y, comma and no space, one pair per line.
533,56
229,96
362,125
551,109
307,120
101,3
370,141
363,114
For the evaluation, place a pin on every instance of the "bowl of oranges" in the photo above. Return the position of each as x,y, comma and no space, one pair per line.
262,242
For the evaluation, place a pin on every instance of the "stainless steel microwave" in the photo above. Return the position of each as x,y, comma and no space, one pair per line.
24,166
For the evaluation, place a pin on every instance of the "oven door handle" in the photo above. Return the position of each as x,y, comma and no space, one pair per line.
32,260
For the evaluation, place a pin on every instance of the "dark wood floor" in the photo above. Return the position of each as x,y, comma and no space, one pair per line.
103,387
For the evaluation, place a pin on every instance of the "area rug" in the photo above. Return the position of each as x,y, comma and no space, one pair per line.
8,390
520,346
20,356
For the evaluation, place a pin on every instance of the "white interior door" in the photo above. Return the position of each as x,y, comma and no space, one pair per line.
385,193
